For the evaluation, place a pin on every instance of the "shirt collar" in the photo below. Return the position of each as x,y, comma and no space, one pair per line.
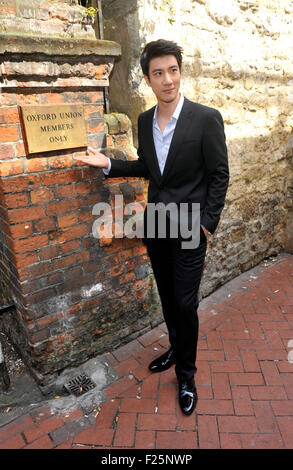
176,112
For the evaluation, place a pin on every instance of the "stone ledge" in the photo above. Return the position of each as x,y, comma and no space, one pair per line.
21,44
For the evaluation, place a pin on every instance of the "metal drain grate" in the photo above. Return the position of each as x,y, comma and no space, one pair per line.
79,385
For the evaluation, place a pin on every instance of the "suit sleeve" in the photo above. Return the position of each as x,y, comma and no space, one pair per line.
134,168
216,162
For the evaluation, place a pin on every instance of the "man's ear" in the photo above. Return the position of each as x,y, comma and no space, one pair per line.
147,80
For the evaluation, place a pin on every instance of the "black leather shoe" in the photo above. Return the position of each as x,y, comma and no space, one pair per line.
163,362
187,396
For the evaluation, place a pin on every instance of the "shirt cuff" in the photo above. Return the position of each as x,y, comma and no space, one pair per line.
107,170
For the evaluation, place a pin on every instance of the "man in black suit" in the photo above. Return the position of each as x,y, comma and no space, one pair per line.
182,151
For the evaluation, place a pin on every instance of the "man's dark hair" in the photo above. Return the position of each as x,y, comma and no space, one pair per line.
158,49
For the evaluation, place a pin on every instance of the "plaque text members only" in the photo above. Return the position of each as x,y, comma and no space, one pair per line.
46,128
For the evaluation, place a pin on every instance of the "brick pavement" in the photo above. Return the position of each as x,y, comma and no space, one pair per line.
244,383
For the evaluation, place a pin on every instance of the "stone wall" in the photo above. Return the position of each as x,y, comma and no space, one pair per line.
55,18
238,59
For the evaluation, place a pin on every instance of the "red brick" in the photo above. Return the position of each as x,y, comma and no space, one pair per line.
269,392
208,432
283,407
11,167
21,230
61,176
210,355
167,399
246,378
262,441
227,366
16,200
145,440
62,161
26,259
265,418
242,401
43,442
215,407
119,387
41,195
45,225
15,442
6,152
138,405
238,424
250,361
176,440
9,115
44,427
93,436
27,213
125,430
19,183
270,373
230,441
221,386
69,233
156,422
62,191
67,205
30,243
286,428
36,164
9,133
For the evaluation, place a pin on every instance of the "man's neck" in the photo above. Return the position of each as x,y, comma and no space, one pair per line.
166,110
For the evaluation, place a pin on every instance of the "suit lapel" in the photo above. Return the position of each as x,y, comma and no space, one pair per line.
149,145
181,128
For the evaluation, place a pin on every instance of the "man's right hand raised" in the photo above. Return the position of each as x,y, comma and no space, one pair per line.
95,159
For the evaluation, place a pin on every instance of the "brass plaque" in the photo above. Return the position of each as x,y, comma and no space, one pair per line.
46,127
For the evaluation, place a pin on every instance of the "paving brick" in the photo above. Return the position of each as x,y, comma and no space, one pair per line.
125,430
15,442
118,387
221,386
91,436
145,440
230,441
246,378
16,426
286,429
176,440
238,424
138,405
282,407
250,361
272,392
43,442
208,435
242,401
270,373
215,407
156,422
44,427
127,366
107,413
264,415
167,399
227,366
262,441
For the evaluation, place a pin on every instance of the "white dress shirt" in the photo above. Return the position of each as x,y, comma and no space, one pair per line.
162,140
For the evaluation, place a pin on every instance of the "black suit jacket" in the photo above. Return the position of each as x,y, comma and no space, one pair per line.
196,168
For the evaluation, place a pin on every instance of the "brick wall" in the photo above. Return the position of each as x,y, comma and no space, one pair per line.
75,295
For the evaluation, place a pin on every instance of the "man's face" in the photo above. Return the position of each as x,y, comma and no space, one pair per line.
164,78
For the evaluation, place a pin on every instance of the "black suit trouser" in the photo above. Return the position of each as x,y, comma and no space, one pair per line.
178,274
